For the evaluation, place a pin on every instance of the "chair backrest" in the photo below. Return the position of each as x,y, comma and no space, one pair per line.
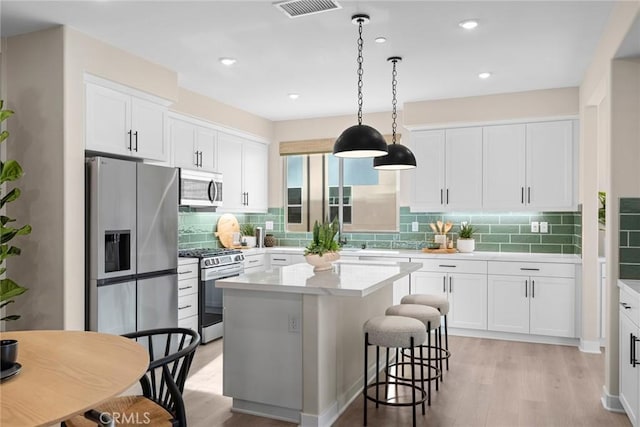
171,352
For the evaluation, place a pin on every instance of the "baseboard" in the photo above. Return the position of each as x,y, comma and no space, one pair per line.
264,410
611,402
508,336
589,346
326,419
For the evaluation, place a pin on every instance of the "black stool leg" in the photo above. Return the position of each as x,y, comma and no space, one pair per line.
386,376
446,339
366,364
437,361
413,380
422,376
440,354
377,374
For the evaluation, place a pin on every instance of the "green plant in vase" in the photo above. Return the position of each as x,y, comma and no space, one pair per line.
10,171
466,242
323,249
248,232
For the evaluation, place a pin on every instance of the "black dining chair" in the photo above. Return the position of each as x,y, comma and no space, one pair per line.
171,351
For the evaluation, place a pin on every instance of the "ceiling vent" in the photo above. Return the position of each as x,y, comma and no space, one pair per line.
297,8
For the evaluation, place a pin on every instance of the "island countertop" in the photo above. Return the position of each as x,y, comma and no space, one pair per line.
346,278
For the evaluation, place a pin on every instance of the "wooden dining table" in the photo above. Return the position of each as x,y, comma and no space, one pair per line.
65,373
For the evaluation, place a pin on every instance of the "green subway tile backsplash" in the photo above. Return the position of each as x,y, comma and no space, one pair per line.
508,232
629,245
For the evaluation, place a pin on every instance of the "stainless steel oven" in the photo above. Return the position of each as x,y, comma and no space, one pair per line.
200,189
215,264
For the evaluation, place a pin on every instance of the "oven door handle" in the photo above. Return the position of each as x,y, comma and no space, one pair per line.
223,273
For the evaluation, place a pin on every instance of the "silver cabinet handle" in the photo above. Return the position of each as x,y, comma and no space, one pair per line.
528,194
444,284
252,261
278,259
441,196
447,265
195,162
185,272
625,305
136,135
447,196
130,133
184,287
186,306
522,195
529,269
526,285
450,288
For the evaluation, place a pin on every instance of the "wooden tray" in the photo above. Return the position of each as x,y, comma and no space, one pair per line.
439,251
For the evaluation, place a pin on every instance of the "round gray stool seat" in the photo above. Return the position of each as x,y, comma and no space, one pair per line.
429,316
394,331
439,302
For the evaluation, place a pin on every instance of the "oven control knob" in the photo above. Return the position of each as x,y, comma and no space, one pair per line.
207,262
216,261
239,257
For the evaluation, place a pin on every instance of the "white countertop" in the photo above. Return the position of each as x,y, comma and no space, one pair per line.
631,285
346,278
412,253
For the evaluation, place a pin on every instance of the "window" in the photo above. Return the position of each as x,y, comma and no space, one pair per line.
312,188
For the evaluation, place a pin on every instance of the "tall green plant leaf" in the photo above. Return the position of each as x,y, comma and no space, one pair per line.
11,171
10,196
10,289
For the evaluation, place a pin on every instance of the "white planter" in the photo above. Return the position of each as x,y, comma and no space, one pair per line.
251,241
466,245
321,263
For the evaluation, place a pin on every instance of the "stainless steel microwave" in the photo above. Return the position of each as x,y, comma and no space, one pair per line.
199,188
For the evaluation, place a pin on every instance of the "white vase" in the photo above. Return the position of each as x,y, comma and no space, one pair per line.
466,245
321,263
250,240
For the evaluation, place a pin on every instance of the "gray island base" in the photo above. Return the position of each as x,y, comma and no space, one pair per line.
293,338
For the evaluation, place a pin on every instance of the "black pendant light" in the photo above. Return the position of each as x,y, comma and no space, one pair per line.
399,157
360,140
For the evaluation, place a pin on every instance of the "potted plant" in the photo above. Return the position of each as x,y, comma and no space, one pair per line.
10,170
323,249
466,242
249,234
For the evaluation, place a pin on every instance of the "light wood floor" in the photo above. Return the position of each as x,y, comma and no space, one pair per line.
490,383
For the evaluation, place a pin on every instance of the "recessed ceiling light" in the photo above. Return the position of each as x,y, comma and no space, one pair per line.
468,24
228,61
381,39
294,95
484,75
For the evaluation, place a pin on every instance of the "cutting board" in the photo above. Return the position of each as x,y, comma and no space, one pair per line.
227,225
439,251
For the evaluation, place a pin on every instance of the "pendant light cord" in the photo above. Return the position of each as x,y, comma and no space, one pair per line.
394,91
360,71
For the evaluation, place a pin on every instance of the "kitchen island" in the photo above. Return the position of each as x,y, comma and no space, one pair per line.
293,338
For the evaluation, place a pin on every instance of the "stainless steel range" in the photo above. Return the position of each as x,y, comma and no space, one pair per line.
215,264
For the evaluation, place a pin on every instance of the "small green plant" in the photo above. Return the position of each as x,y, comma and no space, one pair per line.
9,171
602,210
323,238
466,231
248,230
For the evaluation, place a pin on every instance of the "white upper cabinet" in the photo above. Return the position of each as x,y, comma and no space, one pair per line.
528,166
504,153
550,165
244,168
463,171
450,173
194,146
123,124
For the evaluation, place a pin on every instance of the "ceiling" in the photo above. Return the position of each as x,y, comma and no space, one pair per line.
526,45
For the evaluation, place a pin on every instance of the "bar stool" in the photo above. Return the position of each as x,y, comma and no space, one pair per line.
430,318
393,332
441,303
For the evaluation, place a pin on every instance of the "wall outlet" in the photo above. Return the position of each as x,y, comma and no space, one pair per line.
268,225
544,227
294,323
415,226
535,228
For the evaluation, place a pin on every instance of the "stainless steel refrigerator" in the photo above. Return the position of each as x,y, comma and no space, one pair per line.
132,243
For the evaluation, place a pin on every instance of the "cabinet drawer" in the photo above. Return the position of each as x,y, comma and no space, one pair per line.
452,265
630,305
253,261
189,323
187,287
187,306
286,259
532,269
187,271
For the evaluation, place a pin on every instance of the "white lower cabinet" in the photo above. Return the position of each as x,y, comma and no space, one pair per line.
254,263
466,290
531,303
188,293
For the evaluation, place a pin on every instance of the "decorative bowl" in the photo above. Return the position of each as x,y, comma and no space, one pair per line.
432,245
8,353
322,262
